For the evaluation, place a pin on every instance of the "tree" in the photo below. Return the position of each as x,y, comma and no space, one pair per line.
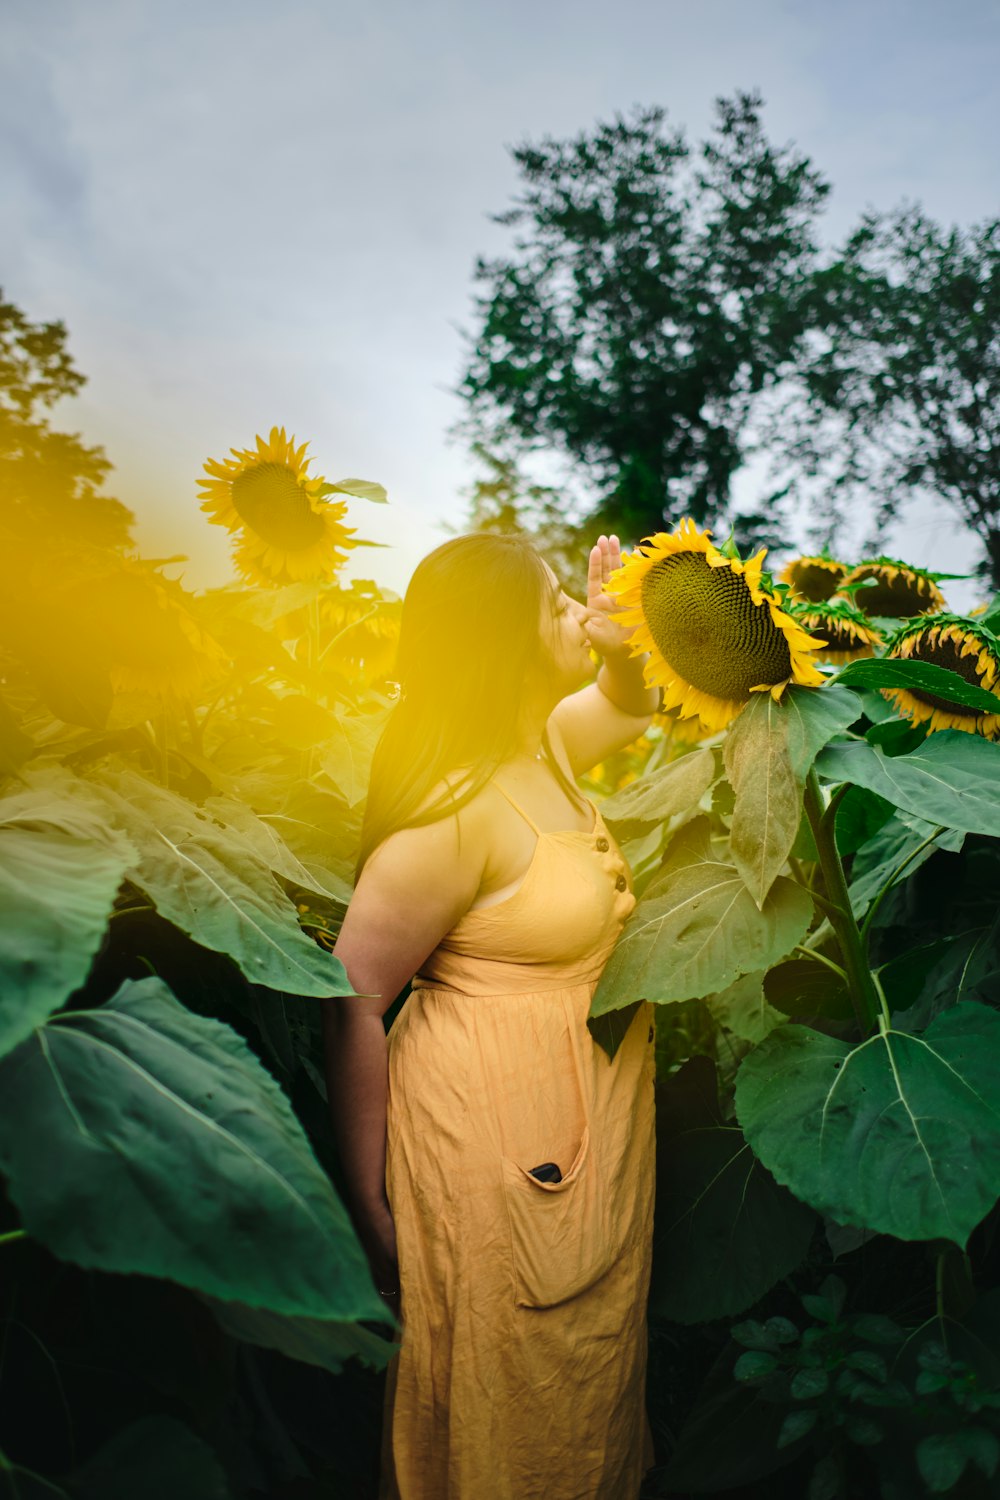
901,394
647,300
49,481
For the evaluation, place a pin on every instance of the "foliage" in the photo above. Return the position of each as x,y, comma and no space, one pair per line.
649,295
825,984
898,391
181,779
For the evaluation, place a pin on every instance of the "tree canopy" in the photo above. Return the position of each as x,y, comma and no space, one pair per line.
651,292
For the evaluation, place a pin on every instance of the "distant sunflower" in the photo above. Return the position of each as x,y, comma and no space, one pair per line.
814,578
714,632
899,591
955,642
141,627
849,633
284,531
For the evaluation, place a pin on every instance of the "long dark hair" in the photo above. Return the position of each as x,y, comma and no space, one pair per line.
468,643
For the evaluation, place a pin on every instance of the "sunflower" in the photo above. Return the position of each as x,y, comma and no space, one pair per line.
284,531
714,631
899,591
849,634
814,578
955,642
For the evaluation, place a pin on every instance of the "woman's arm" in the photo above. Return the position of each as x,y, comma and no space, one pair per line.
413,889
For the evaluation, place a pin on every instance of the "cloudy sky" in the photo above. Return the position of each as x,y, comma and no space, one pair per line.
252,214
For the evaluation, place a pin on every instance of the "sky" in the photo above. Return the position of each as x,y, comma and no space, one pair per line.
252,214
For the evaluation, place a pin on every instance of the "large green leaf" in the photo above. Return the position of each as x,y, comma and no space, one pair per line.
952,778
314,1341
885,853
918,676
140,1137
725,1231
215,883
743,1008
653,799
156,1457
347,756
900,1134
698,928
768,753
60,868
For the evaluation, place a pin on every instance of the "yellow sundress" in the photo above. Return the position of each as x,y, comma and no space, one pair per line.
521,1371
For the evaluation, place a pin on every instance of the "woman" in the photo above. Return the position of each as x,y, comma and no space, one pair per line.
490,1140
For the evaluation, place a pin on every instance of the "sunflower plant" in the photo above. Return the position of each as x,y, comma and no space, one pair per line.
817,1076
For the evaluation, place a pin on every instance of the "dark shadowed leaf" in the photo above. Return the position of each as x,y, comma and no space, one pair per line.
156,1457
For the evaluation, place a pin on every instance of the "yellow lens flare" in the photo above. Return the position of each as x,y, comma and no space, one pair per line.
899,592
714,632
813,578
955,642
849,634
283,529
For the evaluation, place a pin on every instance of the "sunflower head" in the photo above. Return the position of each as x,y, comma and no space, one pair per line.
813,578
849,634
898,591
284,530
963,646
714,628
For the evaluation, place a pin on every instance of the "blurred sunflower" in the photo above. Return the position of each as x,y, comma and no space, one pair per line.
849,633
955,642
139,625
899,589
713,628
813,578
284,530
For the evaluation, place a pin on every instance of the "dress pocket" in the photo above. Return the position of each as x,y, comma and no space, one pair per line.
559,1231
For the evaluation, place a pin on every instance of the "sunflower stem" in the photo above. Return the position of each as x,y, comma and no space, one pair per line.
860,984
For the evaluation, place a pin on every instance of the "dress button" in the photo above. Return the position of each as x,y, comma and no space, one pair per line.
603,845
621,883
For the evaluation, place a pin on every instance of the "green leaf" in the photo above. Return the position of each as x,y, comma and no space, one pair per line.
213,883
941,1459
918,676
731,1233
754,1364
952,778
884,854
652,800
60,869
141,1137
744,1010
808,1384
768,753
807,989
925,981
796,1425
347,756
156,1457
361,489
900,1133
860,815
313,1341
697,929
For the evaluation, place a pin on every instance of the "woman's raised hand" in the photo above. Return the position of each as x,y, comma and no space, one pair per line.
607,637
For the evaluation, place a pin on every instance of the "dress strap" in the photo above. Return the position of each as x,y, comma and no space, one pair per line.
518,808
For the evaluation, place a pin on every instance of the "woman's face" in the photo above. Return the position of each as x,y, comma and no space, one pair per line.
564,627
